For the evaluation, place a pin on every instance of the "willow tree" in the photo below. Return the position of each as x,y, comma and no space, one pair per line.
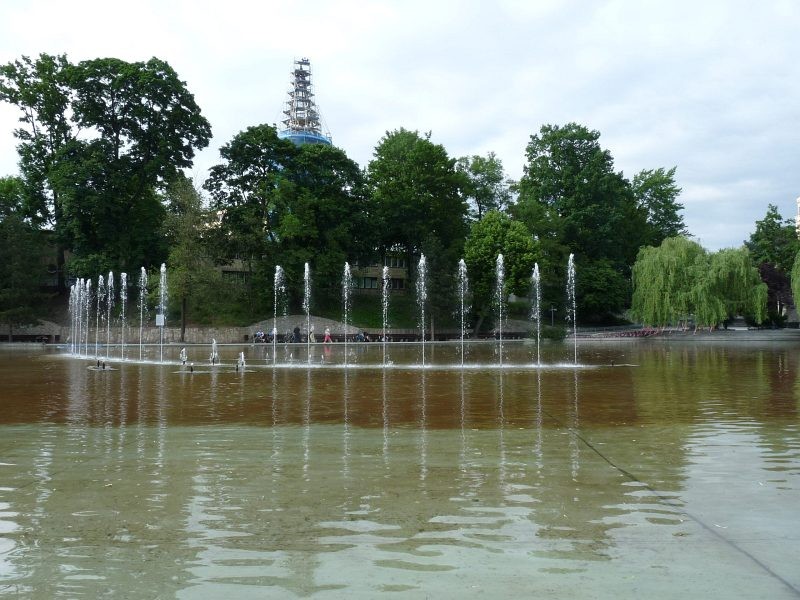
663,279
730,286
679,280
796,278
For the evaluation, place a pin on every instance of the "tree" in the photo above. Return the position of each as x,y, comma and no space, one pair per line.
416,191
497,234
191,268
796,277
679,281
663,279
21,269
41,90
656,193
487,187
774,241
571,198
283,204
141,126
326,219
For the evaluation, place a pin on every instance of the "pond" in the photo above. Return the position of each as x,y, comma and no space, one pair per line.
653,468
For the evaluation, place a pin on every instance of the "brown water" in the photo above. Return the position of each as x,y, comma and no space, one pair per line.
653,470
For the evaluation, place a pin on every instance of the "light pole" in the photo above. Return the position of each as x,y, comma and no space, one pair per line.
552,315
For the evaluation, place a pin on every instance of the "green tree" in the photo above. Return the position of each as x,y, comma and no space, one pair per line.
656,193
796,277
287,205
497,234
325,220
21,269
140,127
663,279
40,89
416,191
193,280
679,280
774,241
487,187
571,198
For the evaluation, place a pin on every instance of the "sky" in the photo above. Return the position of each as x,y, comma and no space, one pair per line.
712,87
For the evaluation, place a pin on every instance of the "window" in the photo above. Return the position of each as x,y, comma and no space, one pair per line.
397,284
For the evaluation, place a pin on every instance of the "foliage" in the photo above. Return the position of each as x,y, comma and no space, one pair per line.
21,268
774,241
192,277
679,280
497,234
416,191
280,204
139,126
779,292
487,187
795,278
571,198
656,193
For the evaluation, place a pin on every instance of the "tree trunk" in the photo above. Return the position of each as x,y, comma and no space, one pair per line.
479,324
10,336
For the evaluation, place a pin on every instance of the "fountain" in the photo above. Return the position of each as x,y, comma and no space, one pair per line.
571,303
87,302
109,308
279,293
536,307
385,284
101,294
347,287
422,298
123,301
463,291
142,307
161,315
307,307
81,300
500,298
214,358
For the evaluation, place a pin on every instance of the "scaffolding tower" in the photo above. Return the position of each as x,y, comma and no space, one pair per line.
302,122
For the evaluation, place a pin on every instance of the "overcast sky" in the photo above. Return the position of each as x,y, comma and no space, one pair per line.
711,87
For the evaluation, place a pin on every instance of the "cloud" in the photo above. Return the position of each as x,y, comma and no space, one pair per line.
711,87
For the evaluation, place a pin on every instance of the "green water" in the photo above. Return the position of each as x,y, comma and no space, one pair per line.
652,470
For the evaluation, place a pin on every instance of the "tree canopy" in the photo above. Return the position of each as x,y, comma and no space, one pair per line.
680,282
496,233
573,200
99,140
486,185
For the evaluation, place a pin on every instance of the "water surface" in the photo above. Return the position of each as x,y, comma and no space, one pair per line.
653,469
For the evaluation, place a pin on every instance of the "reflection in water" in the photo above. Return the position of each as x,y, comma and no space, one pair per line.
160,483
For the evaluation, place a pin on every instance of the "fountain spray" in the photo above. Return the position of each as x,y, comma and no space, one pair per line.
162,307
536,306
571,303
500,299
385,284
109,308
463,292
123,300
307,308
422,298
347,286
142,306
